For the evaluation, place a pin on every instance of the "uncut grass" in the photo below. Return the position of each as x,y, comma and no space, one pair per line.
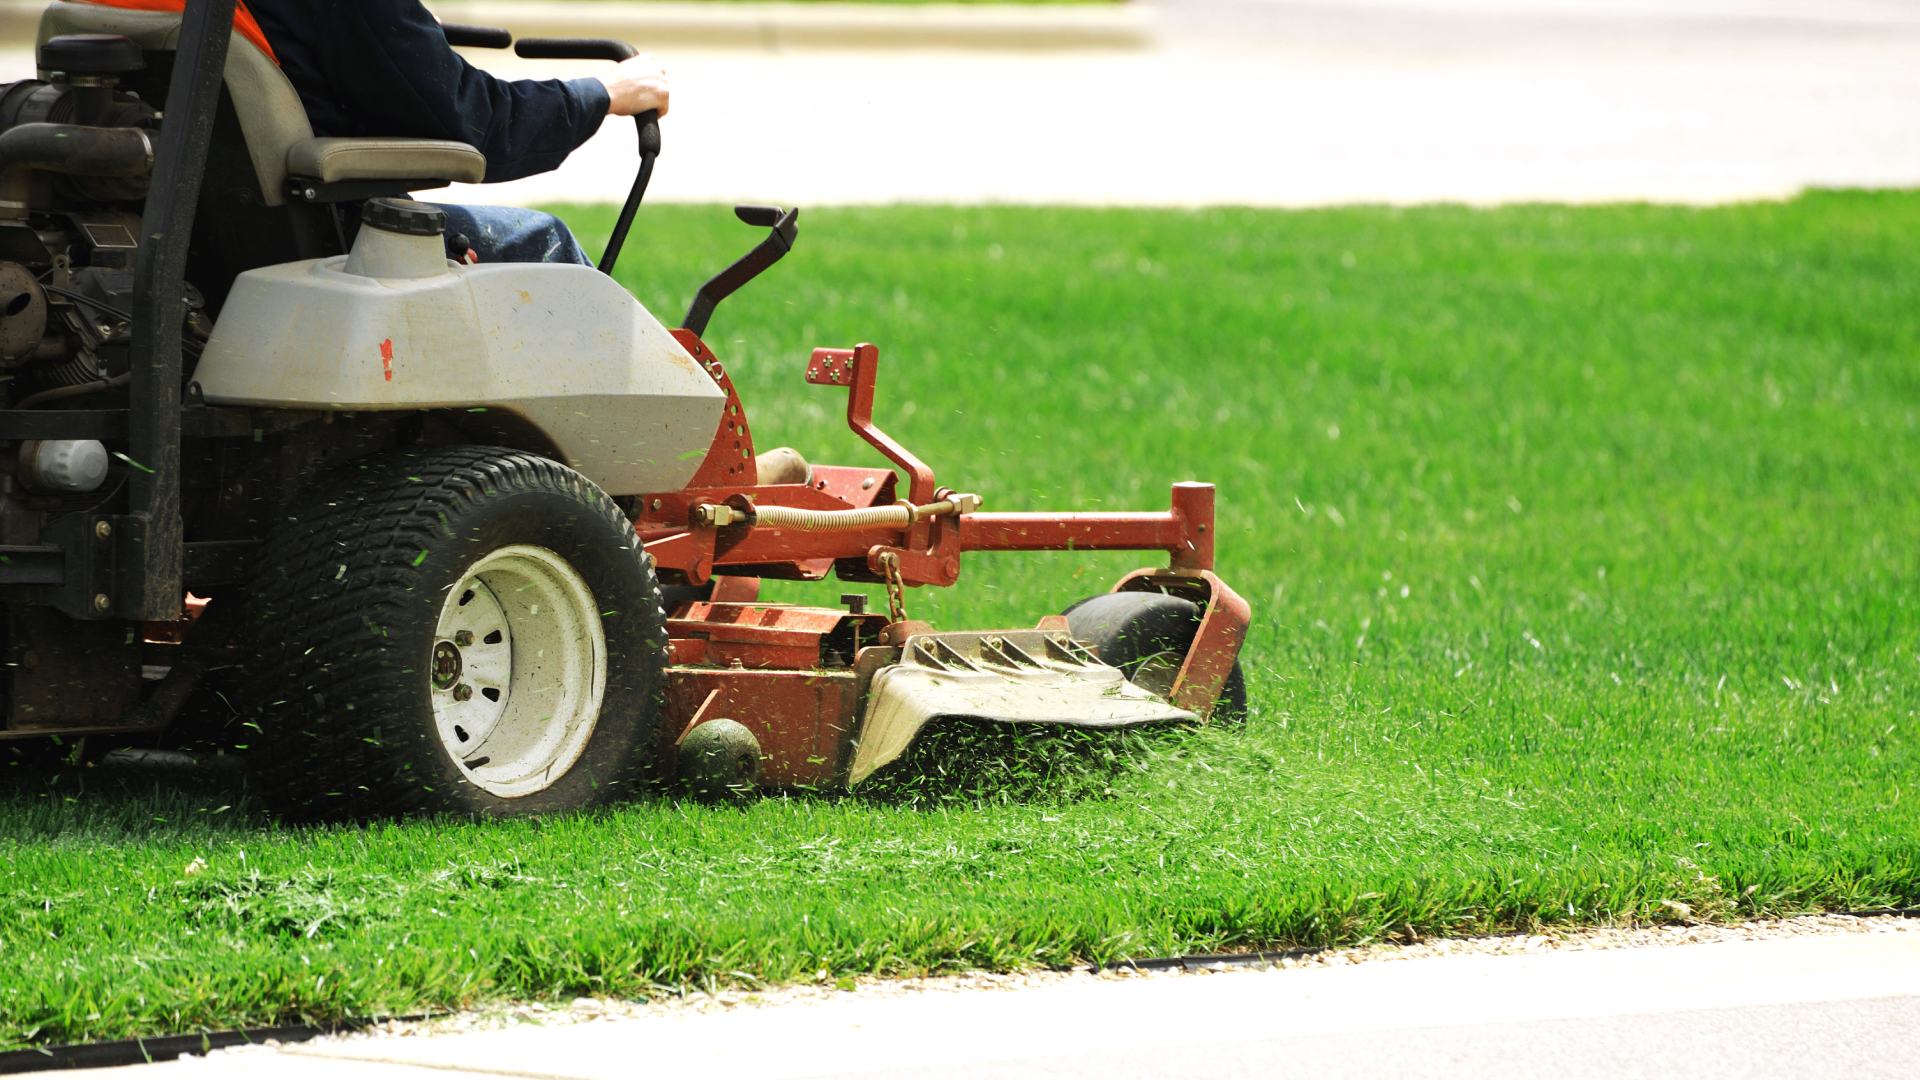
1580,543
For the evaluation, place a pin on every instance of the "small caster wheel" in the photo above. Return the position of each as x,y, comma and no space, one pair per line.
720,760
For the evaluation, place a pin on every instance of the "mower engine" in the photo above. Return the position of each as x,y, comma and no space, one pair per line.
76,150
74,153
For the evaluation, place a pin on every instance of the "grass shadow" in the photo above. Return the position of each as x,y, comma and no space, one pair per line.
49,792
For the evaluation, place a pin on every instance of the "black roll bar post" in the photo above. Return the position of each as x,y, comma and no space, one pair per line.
153,587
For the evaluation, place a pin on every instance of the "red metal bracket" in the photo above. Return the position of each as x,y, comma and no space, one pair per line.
927,552
735,590
938,563
730,459
858,369
1216,644
1185,531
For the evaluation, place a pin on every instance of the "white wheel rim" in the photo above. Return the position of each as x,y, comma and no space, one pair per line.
518,670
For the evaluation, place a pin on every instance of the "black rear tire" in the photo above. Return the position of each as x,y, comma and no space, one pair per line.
1146,635
349,620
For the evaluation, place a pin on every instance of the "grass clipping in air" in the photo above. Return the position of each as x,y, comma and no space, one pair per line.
1580,545
957,763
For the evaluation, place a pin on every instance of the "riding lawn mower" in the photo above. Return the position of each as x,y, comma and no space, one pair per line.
465,537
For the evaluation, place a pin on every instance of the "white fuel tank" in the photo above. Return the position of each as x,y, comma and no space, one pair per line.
395,326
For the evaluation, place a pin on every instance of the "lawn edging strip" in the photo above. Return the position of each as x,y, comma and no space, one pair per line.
119,1052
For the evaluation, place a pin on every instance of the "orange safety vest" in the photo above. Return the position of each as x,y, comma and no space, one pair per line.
243,20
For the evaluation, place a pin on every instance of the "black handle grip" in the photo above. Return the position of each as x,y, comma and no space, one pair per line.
766,217
649,125
539,48
461,35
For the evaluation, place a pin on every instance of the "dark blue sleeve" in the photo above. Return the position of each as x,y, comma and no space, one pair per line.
400,69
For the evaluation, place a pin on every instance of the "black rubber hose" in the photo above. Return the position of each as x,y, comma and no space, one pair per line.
67,148
76,149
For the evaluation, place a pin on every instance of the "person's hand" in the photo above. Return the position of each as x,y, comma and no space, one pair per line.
637,85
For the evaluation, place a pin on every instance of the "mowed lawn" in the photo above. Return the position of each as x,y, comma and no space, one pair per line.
1584,549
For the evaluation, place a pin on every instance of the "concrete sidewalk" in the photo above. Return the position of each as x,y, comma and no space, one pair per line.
1839,1005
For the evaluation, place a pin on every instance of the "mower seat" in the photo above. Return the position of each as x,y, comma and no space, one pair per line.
333,161
280,143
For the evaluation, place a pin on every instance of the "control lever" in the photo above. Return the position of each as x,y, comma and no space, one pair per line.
646,124
785,227
463,36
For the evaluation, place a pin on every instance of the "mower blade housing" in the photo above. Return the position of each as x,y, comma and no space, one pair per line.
1005,676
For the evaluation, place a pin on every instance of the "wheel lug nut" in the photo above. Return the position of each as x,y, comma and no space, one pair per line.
463,639
462,692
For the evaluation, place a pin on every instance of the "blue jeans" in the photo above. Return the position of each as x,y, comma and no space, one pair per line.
514,234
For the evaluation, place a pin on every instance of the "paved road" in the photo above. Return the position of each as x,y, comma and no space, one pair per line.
1795,1009
1273,102
1280,102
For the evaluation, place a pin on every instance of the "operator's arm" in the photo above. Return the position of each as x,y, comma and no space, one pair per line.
387,70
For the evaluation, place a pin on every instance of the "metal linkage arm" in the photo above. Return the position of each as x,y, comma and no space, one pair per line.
1185,532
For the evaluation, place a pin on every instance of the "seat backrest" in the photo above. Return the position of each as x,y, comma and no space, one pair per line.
272,120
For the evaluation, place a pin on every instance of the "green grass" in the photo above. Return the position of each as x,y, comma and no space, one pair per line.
1582,550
